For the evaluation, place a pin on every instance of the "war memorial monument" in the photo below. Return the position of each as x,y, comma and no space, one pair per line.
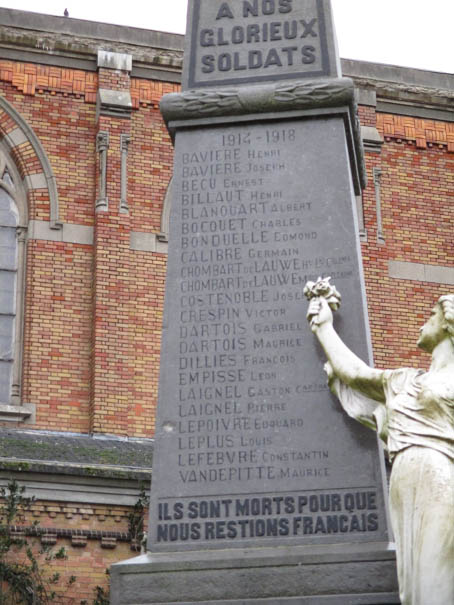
263,489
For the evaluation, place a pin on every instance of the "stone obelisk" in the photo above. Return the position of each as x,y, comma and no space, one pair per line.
262,491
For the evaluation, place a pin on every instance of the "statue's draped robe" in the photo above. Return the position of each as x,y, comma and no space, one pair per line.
416,426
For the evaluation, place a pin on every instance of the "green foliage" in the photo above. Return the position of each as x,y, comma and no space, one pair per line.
26,582
101,596
30,581
136,517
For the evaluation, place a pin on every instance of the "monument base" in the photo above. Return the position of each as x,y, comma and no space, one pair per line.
353,574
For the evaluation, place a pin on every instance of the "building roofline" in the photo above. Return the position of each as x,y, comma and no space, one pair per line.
28,20
74,43
397,74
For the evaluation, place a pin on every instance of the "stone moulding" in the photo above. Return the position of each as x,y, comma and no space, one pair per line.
79,537
75,43
298,95
395,90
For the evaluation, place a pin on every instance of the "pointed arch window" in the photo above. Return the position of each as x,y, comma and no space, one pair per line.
13,228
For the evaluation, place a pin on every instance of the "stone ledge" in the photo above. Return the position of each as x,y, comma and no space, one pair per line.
52,467
353,574
17,413
52,484
420,272
372,139
398,75
69,233
148,242
352,599
215,558
75,454
114,103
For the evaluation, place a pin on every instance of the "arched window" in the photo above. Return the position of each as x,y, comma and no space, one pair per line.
13,226
24,169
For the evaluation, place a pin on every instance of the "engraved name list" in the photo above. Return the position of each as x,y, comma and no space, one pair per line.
247,410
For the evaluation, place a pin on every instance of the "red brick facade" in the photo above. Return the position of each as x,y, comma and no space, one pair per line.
417,195
113,319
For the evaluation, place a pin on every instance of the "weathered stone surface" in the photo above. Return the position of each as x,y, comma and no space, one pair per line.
297,95
84,452
113,103
251,447
294,575
111,60
259,40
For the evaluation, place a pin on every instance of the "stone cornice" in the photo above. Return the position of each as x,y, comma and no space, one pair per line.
68,42
403,85
399,74
195,107
394,91
386,87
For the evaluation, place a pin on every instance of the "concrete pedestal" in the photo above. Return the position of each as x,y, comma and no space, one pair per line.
346,575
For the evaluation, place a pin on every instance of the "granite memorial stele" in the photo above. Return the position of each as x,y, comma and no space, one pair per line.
263,491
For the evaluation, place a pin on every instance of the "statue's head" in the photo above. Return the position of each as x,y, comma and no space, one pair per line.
447,306
440,325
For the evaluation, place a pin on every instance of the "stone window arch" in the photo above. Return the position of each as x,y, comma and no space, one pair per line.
13,230
25,176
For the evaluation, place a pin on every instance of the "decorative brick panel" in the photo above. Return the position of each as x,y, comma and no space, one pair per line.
422,133
31,79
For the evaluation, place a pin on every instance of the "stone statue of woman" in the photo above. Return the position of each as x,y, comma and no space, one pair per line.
413,412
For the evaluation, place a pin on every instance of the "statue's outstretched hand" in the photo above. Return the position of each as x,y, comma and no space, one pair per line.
319,313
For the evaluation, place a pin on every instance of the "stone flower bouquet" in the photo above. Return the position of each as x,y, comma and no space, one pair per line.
322,288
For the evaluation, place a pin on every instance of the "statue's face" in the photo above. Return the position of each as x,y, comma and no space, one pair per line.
432,332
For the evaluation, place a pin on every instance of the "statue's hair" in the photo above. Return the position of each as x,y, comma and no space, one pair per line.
447,306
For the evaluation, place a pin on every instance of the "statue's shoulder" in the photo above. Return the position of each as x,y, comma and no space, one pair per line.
400,379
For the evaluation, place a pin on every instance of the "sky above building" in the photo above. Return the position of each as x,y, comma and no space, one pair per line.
410,33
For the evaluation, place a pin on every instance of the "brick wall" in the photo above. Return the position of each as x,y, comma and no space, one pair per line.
417,195
92,330
93,537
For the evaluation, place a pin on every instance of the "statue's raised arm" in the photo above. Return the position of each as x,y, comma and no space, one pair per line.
349,368
413,412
